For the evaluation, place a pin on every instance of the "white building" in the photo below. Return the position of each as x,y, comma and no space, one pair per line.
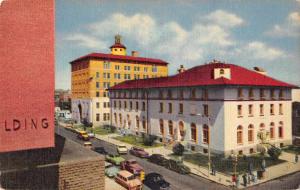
224,104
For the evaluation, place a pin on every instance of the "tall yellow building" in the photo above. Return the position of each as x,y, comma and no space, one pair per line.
94,73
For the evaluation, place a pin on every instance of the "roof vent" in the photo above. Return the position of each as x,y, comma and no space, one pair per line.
181,69
134,53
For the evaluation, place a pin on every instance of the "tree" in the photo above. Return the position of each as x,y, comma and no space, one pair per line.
149,140
274,152
178,149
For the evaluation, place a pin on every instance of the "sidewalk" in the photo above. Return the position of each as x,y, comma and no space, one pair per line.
221,178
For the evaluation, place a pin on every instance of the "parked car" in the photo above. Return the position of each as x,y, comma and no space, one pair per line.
87,145
158,159
128,180
111,170
83,135
91,135
122,149
139,152
177,166
132,166
114,158
100,150
155,181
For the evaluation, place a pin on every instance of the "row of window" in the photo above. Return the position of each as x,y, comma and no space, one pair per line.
130,106
181,108
104,94
106,117
126,76
262,93
261,109
270,133
105,105
106,65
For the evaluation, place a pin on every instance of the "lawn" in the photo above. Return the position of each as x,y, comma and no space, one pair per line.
225,165
292,149
100,130
136,141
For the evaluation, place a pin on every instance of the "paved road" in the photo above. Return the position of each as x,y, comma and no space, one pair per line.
187,182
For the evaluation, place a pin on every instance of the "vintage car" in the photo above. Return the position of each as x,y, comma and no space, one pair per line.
100,150
157,159
128,180
83,135
177,166
114,159
87,145
111,170
132,166
122,149
139,152
155,181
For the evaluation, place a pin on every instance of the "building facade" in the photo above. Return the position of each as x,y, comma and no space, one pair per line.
296,114
94,73
217,103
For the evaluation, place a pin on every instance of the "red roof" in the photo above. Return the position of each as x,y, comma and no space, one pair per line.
203,76
117,45
125,58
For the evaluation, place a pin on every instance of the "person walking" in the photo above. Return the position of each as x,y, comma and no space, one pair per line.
250,167
213,169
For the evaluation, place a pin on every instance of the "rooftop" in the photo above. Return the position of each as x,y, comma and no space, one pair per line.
203,75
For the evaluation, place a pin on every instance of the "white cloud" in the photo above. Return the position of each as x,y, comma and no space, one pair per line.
290,28
84,40
261,51
224,18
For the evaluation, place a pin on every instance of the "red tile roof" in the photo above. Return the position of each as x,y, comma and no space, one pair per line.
203,76
117,45
125,58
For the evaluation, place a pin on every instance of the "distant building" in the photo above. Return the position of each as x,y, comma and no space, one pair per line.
296,113
222,104
62,99
94,73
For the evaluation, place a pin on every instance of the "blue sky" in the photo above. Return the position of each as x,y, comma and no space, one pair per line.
247,33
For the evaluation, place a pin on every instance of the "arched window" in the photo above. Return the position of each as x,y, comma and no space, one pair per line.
137,120
161,126
181,130
128,121
272,130
280,130
239,134
120,119
262,127
205,134
170,123
221,71
250,133
193,132
144,123
116,119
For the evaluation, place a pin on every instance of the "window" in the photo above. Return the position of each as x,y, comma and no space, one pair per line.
170,94
262,93
115,117
240,110
161,126
261,109
137,120
117,67
180,108
239,134
161,107
125,105
143,106
106,65
193,93
280,130
120,105
171,132
205,94
262,127
221,71
205,134
97,85
272,109
145,69
281,94
180,96
193,132
120,118
280,109
205,110
97,104
251,94
130,105
97,75
297,113
97,117
240,93
250,110
144,123
136,105
154,68
250,133
272,94
97,94
104,104
272,135
170,108
115,104
136,68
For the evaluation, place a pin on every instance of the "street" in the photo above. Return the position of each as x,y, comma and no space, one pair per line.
184,182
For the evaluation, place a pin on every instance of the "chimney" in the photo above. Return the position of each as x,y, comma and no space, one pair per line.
181,69
260,70
134,53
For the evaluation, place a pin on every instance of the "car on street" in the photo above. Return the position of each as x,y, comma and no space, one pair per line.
158,159
87,145
128,180
91,135
132,166
111,170
122,149
100,150
139,152
177,166
114,159
155,181
83,135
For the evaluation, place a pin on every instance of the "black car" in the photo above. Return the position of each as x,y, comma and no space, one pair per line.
155,181
177,166
157,159
100,150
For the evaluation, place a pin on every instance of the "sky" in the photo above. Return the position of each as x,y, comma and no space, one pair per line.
248,33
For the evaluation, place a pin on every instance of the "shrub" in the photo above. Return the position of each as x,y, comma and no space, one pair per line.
113,129
178,149
274,152
148,140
